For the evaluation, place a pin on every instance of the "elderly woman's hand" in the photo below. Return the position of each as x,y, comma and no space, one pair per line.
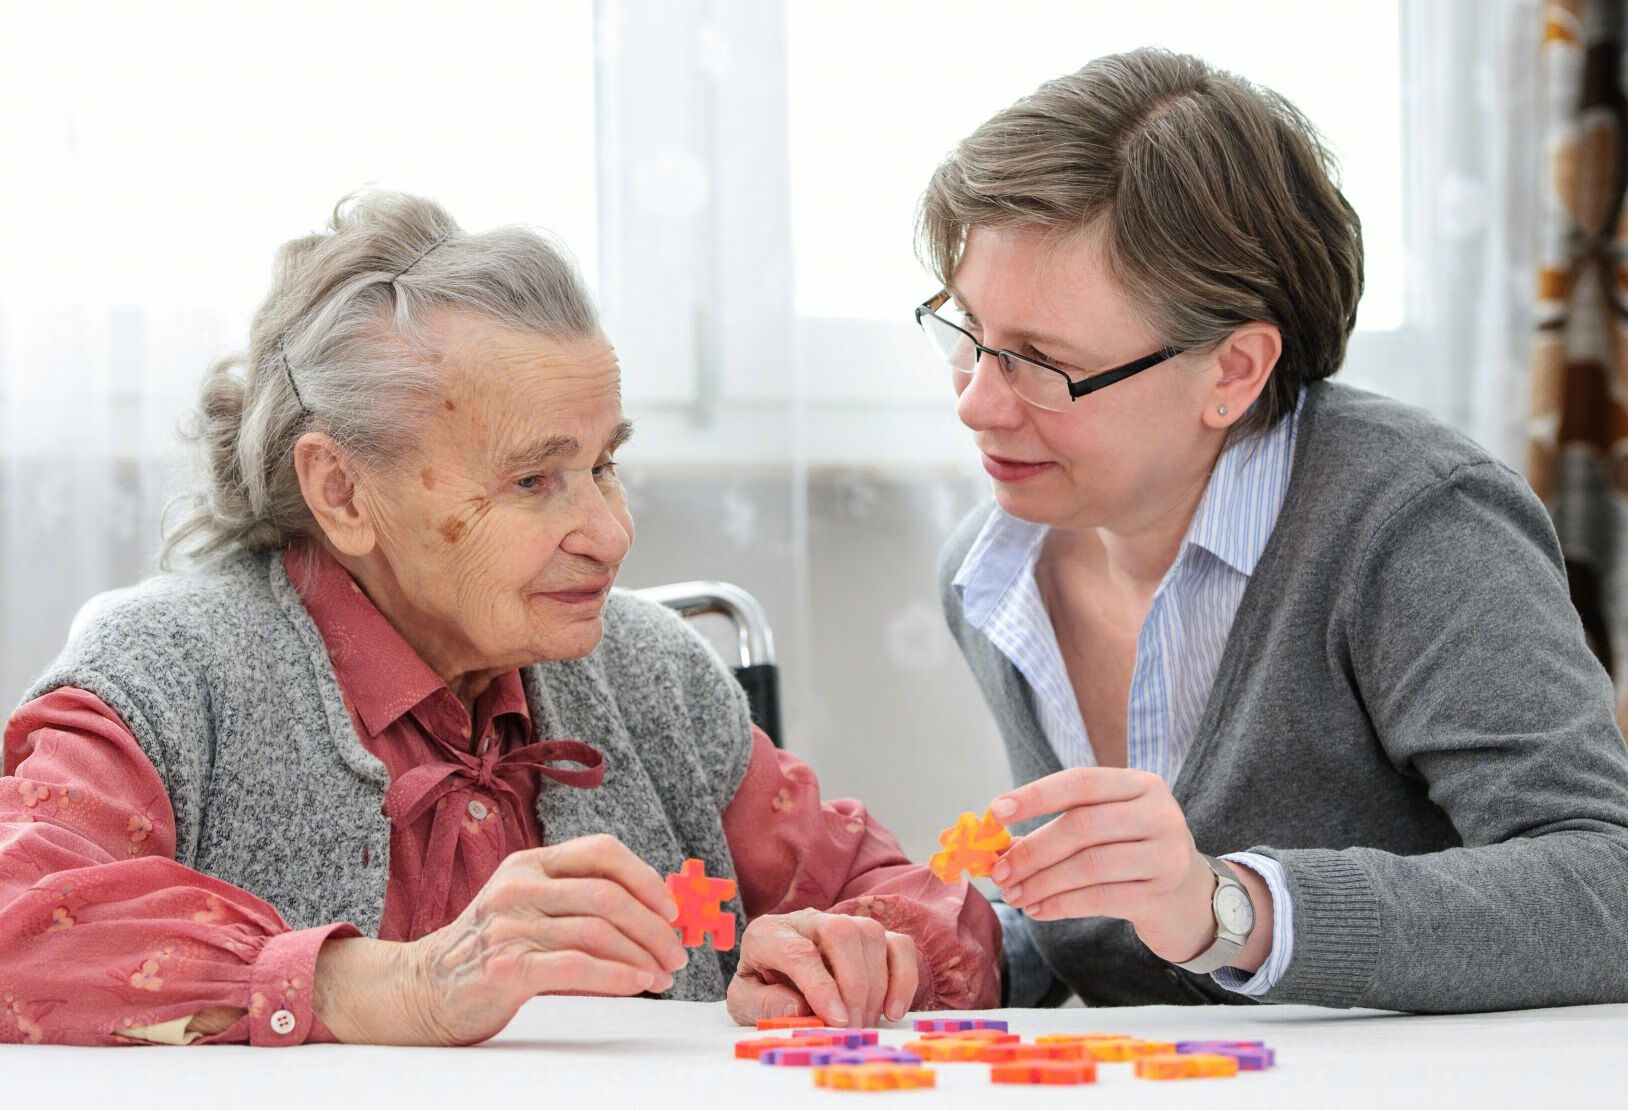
846,970
585,916
1119,847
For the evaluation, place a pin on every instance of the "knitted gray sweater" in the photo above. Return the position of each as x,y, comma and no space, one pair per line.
1406,716
226,684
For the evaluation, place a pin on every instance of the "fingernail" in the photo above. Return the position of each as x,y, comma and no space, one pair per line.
839,1014
1002,872
1003,807
1013,895
790,1009
646,980
671,909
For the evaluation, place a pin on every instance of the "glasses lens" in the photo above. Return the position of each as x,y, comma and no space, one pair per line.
953,345
1041,386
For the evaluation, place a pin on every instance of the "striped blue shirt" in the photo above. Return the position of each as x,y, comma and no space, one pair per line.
1177,652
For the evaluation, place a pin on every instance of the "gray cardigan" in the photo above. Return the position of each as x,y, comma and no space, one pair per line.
227,686
1406,716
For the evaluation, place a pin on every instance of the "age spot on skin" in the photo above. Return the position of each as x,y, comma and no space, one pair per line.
452,529
451,407
428,476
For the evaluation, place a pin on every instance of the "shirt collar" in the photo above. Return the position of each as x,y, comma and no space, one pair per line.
1005,550
379,673
1239,509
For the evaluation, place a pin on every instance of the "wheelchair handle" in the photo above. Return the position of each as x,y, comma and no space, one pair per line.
694,599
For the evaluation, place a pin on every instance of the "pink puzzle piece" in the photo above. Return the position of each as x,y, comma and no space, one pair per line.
876,1054
958,1025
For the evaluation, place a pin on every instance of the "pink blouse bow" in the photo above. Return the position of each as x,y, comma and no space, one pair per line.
431,784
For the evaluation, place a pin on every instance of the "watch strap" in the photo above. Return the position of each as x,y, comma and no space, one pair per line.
1226,945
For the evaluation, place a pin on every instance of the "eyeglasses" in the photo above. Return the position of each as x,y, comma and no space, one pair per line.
1042,385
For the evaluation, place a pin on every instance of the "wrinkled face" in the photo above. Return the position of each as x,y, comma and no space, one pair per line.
1117,458
504,533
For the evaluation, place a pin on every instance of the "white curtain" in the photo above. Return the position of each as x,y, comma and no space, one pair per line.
738,179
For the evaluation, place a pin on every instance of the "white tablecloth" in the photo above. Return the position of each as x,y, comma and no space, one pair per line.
595,1052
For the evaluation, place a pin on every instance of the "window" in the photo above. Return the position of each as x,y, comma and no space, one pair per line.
871,116
156,155
173,146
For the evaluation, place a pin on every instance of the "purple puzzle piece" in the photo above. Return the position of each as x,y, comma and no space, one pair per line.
876,1054
1212,1045
1251,1055
799,1057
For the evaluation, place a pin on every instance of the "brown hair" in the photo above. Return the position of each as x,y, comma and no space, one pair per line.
1215,198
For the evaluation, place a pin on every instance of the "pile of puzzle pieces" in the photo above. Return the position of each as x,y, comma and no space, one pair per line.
856,1060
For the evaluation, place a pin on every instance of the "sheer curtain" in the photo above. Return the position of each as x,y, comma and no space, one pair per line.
153,162
738,178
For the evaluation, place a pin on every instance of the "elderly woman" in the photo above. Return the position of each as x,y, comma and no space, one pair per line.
396,758
1220,605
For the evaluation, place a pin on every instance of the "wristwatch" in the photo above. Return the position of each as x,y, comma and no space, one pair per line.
1234,919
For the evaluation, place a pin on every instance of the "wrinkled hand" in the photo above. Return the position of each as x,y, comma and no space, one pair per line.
848,971
586,915
1119,847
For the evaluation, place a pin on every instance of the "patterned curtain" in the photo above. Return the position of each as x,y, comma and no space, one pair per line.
1578,451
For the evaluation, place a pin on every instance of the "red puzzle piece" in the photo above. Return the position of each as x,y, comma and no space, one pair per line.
698,899
805,1022
754,1048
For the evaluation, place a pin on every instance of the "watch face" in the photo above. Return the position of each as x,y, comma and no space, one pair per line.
1233,911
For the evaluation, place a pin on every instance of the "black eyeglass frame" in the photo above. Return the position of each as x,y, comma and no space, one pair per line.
1076,388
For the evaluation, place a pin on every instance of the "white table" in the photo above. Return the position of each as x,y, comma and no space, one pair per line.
605,1053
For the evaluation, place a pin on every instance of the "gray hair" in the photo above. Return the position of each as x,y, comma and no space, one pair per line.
339,346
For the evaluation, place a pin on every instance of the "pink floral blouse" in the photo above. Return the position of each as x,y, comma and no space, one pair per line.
106,939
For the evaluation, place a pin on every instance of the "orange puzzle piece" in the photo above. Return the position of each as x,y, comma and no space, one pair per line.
948,1049
1079,1038
874,1077
972,844
1197,1065
1142,1049
698,899
1030,1053
1117,1050
1049,1072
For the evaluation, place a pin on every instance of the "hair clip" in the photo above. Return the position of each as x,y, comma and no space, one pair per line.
444,236
288,372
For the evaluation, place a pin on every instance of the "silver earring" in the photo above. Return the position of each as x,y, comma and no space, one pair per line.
1222,409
